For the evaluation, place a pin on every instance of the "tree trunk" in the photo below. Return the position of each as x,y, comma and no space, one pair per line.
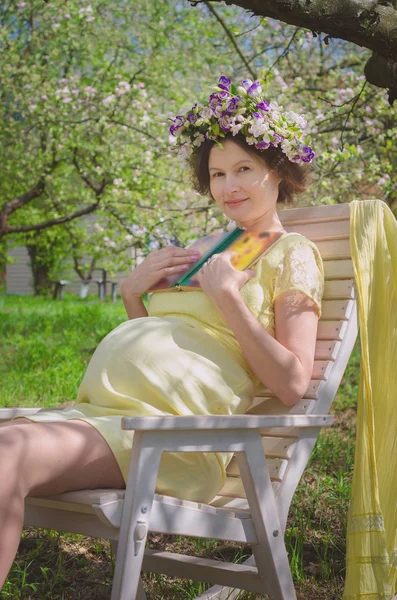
40,271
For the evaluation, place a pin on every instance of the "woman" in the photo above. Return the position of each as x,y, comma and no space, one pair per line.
195,352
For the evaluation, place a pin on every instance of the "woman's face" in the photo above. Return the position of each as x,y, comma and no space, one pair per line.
236,175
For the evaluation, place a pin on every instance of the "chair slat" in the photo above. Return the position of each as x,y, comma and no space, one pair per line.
331,330
339,288
334,249
239,503
336,230
336,309
321,214
274,406
327,350
234,487
338,269
277,468
321,369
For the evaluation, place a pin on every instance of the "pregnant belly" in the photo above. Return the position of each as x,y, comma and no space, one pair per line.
155,365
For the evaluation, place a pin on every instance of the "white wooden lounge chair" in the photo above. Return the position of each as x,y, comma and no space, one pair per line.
272,445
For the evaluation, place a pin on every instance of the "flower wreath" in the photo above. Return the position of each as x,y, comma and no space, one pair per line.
242,108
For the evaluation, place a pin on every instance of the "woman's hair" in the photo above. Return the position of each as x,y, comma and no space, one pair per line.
295,177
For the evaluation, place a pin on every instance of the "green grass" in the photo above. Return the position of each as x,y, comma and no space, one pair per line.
45,347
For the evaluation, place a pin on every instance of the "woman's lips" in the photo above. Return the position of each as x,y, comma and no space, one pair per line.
236,203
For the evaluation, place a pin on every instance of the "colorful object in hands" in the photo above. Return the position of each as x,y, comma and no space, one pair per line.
248,245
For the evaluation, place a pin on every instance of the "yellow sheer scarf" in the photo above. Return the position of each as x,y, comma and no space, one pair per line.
372,522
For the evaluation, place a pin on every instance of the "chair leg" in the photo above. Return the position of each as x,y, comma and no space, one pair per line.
135,520
141,595
270,553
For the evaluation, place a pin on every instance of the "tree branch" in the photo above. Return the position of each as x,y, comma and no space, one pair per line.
11,206
371,25
231,37
24,228
368,23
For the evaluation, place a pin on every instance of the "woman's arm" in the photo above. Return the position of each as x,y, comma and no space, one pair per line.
278,368
134,305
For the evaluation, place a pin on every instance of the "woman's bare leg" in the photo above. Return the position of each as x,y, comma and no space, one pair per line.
42,459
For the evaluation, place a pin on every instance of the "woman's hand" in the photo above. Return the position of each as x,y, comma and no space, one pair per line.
218,276
158,264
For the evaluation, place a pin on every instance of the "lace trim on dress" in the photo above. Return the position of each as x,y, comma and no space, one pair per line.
370,522
299,270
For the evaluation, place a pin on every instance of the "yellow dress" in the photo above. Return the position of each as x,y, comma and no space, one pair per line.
184,360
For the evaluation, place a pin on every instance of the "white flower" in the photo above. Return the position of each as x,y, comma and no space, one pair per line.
109,99
258,128
186,151
235,128
199,139
126,85
205,113
117,181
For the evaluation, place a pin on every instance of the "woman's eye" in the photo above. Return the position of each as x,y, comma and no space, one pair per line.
219,173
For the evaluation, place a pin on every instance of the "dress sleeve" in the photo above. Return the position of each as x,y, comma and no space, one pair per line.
301,269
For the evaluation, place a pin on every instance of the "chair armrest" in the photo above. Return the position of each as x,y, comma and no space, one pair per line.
197,422
6,414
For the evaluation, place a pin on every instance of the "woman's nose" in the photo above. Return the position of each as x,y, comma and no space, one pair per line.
230,184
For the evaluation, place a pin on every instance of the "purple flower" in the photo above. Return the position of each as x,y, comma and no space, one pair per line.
255,89
215,103
308,158
224,83
232,104
246,83
224,123
257,115
217,111
191,117
176,124
263,145
264,105
306,150
279,138
217,98
306,153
